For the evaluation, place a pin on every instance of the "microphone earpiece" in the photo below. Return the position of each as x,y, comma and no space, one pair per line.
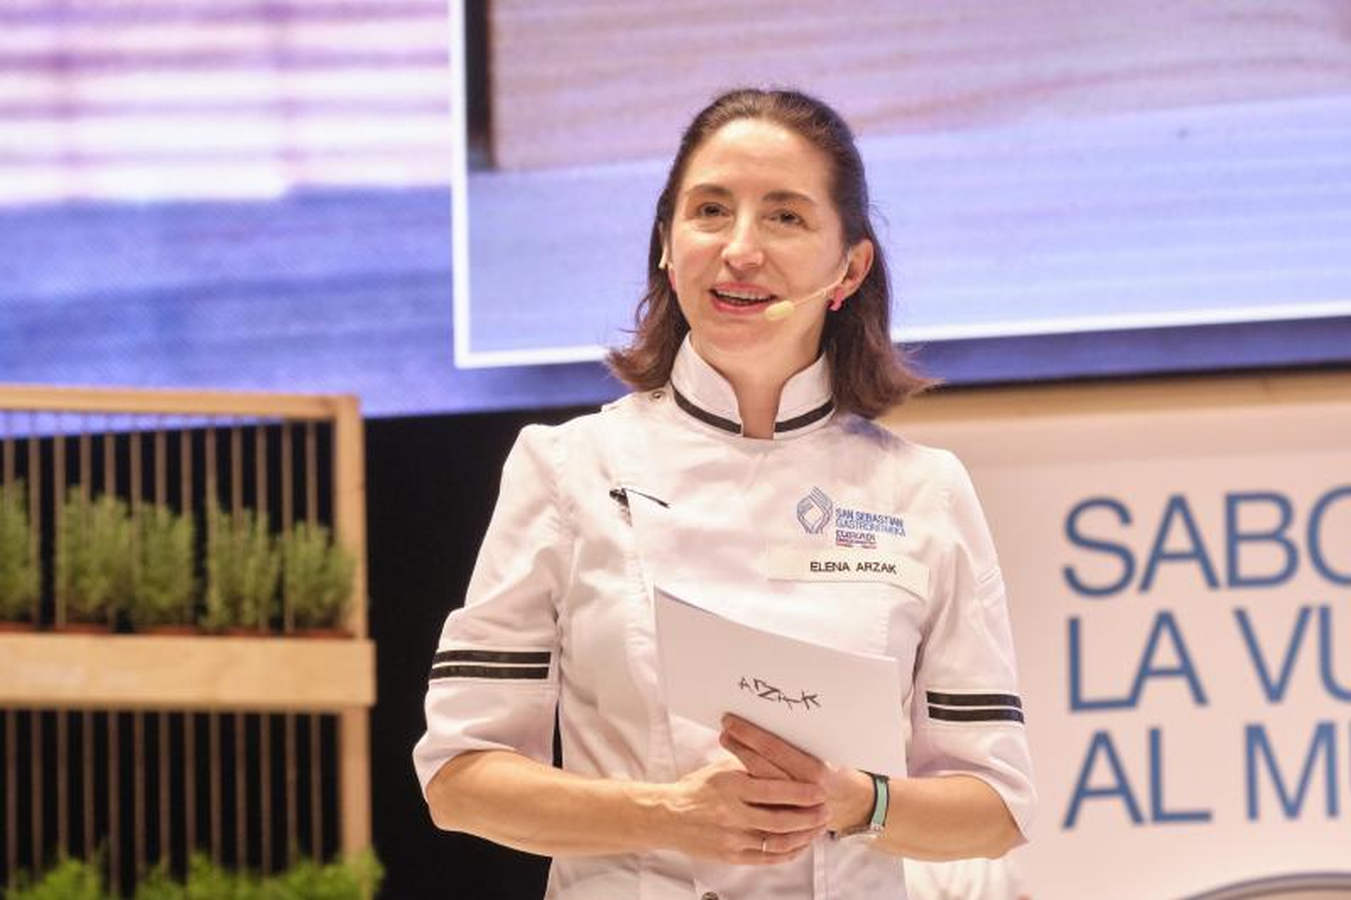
779,309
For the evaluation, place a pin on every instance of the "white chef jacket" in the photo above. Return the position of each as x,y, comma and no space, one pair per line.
964,879
662,488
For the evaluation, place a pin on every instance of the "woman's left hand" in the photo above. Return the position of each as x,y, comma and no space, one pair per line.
849,792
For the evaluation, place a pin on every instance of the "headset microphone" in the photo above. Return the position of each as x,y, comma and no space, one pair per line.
782,309
779,309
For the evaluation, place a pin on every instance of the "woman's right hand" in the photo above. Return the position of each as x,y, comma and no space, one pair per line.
721,812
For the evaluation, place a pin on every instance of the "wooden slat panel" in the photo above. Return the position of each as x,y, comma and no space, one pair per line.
316,758
354,779
292,791
162,771
585,81
232,676
114,799
215,788
169,402
349,503
87,780
36,831
189,725
11,718
62,782
130,671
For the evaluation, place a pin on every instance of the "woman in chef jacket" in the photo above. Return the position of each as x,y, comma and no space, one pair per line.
746,452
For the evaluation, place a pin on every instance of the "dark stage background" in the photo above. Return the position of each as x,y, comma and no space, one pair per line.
431,485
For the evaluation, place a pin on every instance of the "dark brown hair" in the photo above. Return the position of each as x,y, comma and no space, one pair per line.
868,373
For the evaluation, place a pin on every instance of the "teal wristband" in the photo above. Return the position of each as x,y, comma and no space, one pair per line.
881,801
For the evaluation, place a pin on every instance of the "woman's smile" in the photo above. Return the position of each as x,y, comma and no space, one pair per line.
739,298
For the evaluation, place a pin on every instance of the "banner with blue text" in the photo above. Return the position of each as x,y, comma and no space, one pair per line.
1179,576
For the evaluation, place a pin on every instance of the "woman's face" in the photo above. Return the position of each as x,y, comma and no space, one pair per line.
753,224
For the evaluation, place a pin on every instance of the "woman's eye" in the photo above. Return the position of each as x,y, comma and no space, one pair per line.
787,217
707,210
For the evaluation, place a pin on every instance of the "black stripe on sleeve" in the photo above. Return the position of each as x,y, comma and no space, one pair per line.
948,699
995,714
506,673
517,657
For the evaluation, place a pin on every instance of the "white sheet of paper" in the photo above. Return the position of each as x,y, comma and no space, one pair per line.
841,707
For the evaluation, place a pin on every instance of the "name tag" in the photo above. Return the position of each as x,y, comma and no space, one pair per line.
844,564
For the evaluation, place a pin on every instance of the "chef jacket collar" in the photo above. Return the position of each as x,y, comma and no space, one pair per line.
805,403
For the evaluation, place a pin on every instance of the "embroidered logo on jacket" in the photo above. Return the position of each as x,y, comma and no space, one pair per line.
853,527
864,540
857,520
814,511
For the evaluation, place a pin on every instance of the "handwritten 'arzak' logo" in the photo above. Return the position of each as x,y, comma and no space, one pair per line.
766,691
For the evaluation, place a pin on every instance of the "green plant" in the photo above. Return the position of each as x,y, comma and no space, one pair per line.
94,556
351,878
317,576
164,582
20,578
208,881
354,877
70,879
243,566
158,884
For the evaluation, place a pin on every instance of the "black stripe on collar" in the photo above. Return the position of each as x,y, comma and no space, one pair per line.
732,427
806,418
704,415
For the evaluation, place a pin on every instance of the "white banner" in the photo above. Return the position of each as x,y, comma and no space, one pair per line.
1178,561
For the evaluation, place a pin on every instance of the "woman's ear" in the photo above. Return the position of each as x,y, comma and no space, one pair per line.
665,261
860,264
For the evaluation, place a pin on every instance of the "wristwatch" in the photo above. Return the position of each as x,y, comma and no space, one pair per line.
881,800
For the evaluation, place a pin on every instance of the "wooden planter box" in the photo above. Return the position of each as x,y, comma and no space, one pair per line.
176,672
82,428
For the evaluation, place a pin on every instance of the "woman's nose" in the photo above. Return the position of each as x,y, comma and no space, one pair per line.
743,249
